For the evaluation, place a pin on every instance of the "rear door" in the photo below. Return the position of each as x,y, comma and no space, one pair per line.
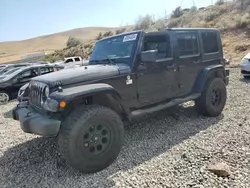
189,60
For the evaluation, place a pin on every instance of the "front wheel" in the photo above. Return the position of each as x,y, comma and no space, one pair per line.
4,97
91,138
213,99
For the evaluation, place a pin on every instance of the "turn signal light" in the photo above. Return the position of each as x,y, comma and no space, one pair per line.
62,104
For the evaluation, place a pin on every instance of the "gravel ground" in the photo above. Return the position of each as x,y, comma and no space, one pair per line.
171,148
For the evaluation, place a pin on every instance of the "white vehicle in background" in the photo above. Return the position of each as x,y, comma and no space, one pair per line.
71,62
245,66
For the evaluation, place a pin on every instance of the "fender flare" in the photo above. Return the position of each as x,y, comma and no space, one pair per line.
205,74
78,92
72,93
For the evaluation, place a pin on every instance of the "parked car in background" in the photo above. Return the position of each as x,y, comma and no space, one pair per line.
245,66
11,83
2,66
11,66
72,61
9,72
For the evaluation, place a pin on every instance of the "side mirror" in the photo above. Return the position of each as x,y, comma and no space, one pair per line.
148,56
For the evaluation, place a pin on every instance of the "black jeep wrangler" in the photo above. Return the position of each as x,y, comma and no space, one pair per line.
128,75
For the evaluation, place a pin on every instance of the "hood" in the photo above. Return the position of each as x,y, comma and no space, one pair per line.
83,74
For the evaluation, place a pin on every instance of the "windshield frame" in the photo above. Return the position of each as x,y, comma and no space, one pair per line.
116,60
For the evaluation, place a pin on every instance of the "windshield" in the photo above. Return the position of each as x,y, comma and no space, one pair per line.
11,71
119,47
11,75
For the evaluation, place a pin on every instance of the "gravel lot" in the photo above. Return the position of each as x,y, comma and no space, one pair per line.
171,148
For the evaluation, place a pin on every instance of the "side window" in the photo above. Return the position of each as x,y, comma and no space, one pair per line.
77,59
46,70
210,42
69,61
29,74
188,44
160,43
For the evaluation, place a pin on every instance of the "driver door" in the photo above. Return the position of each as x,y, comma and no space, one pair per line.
157,81
23,78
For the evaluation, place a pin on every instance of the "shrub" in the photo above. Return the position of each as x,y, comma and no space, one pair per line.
177,13
107,34
242,21
144,22
245,20
51,58
193,9
118,31
99,37
210,16
220,2
72,42
173,23
242,4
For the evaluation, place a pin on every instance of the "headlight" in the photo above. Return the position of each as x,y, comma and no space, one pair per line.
46,91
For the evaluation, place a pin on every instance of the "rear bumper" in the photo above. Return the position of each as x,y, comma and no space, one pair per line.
33,122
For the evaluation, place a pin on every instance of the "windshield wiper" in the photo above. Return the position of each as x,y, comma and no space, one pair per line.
106,59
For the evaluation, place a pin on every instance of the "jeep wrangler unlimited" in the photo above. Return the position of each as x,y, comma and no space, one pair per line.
128,75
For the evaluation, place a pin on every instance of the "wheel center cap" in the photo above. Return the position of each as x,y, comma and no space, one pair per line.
95,138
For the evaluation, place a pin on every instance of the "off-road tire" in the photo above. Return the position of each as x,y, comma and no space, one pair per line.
204,103
72,138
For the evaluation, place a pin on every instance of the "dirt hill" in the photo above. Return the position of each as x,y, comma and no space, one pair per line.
14,50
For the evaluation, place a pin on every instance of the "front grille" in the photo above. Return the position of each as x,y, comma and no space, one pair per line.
36,93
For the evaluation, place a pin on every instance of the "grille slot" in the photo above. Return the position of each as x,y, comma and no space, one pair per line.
36,93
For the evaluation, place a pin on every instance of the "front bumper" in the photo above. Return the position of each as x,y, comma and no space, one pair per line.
33,122
245,69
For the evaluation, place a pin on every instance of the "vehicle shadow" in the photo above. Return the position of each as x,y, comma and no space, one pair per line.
246,80
38,161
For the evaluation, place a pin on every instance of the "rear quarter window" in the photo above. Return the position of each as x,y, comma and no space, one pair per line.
210,42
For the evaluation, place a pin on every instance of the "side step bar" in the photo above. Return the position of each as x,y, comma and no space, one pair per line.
159,107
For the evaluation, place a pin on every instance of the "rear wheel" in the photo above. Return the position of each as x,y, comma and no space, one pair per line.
91,138
213,99
4,97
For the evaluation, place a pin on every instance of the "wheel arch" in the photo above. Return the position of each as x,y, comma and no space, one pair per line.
100,94
214,71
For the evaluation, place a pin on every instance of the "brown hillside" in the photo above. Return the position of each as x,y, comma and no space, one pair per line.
232,18
14,50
